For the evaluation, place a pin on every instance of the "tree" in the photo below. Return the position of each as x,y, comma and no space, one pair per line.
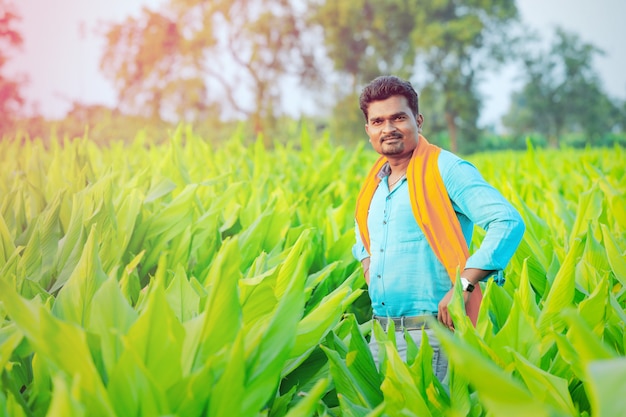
458,43
11,99
562,92
361,44
195,55
148,61
447,44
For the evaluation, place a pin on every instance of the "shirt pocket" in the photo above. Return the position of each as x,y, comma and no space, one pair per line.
405,226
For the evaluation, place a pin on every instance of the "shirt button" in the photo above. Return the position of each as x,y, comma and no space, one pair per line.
383,303
378,276
381,249
384,221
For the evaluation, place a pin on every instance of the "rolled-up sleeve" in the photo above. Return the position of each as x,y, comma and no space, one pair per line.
485,206
358,249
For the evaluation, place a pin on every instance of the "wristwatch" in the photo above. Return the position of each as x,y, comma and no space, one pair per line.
467,286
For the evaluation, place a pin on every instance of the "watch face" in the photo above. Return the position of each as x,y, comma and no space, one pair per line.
467,286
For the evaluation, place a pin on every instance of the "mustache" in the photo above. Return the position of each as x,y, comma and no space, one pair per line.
394,135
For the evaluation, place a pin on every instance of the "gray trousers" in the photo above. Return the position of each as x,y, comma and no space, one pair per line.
440,362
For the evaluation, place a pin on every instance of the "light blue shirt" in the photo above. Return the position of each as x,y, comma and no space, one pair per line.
406,278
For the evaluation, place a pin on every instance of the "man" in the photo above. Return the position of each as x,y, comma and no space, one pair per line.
414,221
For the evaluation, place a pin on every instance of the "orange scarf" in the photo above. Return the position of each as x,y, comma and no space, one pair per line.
432,210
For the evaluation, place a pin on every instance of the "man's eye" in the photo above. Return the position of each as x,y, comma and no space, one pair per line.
400,117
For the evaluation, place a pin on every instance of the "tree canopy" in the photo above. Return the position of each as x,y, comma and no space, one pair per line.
444,46
561,92
11,100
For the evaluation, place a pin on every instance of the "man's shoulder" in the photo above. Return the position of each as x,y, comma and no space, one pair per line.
447,160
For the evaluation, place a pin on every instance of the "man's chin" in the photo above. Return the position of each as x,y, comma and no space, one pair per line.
392,150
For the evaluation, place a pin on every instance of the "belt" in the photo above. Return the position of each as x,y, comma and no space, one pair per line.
404,322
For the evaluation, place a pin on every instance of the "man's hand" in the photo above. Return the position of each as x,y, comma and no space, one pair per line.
365,263
443,315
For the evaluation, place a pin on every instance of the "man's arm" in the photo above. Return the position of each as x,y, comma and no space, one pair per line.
359,252
484,206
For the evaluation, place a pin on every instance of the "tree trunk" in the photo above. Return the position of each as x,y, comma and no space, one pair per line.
452,132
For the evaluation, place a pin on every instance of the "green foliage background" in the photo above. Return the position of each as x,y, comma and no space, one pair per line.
185,278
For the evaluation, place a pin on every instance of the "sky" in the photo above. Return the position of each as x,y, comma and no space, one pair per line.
62,49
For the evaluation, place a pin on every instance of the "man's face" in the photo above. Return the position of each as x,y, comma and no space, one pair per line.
392,127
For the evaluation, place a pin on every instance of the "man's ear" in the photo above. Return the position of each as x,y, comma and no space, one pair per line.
420,120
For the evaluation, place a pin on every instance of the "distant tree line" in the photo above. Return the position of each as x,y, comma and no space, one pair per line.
11,99
207,63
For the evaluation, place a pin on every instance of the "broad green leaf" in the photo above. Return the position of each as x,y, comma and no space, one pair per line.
156,337
318,322
606,386
345,382
588,345
131,388
498,391
222,321
589,209
526,295
61,344
10,338
10,406
73,303
519,334
265,365
593,309
308,404
181,296
545,387
111,318
616,257
189,396
228,393
65,401
401,395
7,247
561,293
159,190
70,246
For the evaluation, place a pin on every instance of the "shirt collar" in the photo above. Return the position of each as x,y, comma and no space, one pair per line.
385,170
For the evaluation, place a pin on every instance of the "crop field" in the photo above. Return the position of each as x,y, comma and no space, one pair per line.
188,279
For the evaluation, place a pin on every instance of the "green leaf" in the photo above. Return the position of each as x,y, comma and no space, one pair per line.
132,390
606,386
181,296
616,257
222,321
401,394
229,391
589,209
7,247
268,358
345,382
545,387
73,303
156,337
307,405
10,338
61,344
65,401
111,318
561,293
501,394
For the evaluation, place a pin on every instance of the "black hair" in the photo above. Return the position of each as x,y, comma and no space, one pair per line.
385,86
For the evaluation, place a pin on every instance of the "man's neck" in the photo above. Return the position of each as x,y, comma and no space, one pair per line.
399,165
